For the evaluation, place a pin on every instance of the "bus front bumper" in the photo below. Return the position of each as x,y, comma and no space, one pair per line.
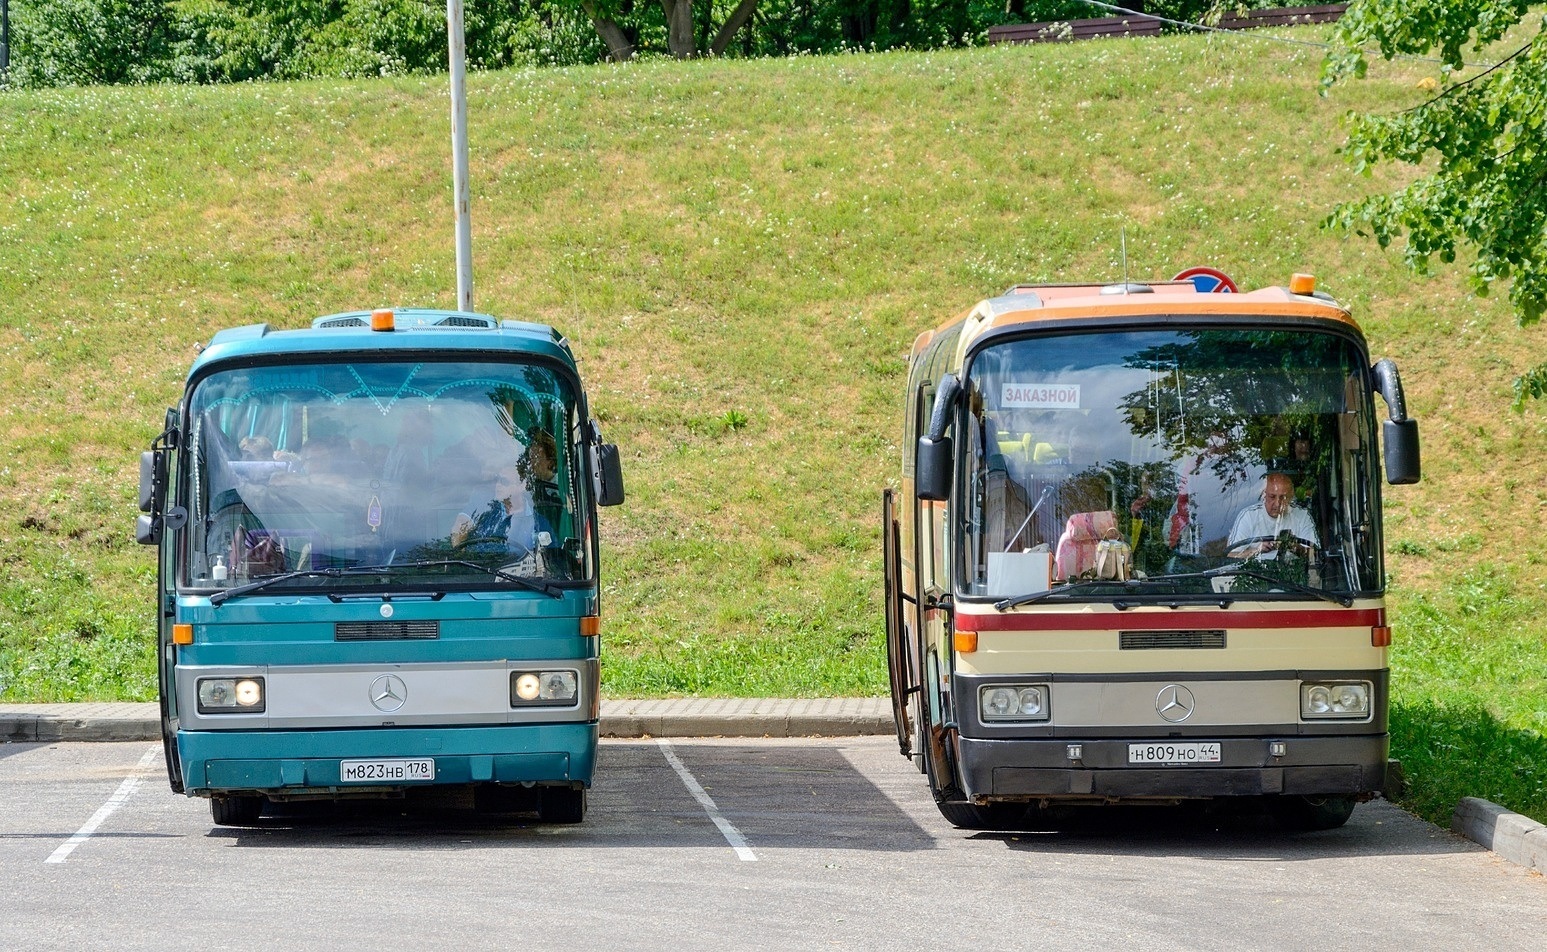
1034,769
309,763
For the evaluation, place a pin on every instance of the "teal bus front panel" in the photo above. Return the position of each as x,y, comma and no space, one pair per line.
280,762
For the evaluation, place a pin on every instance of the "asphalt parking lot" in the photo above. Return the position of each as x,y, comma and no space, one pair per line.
728,843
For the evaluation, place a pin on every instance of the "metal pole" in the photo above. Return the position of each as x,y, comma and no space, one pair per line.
5,41
457,49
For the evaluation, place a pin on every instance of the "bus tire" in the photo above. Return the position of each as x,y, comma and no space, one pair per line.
989,816
235,810
1307,814
562,805
504,798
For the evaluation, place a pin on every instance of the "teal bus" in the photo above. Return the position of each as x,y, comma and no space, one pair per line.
378,565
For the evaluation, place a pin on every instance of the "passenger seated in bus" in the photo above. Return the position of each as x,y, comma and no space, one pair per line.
1259,528
257,448
539,466
509,520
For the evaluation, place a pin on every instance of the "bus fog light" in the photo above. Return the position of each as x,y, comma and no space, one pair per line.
1013,702
544,688
1349,700
230,695
249,692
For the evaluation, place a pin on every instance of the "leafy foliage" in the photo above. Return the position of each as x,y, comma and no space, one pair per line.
1485,135
93,42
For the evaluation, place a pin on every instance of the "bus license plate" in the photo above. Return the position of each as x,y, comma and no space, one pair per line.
385,771
1173,753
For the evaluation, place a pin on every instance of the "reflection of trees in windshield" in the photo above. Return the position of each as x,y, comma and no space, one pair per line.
1161,439
1236,401
342,465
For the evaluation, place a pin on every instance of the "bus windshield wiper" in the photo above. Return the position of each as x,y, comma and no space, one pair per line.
216,599
1298,587
219,597
394,567
1005,605
1129,585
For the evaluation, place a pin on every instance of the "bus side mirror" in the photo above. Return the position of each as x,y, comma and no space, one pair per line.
932,466
1399,439
1399,434
932,474
153,480
147,530
609,475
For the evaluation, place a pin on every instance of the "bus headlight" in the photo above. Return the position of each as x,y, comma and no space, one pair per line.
230,695
543,688
1347,700
1013,702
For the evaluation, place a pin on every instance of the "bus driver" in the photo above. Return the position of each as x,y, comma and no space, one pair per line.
507,519
1257,529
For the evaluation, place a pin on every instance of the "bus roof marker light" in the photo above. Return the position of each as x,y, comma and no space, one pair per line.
1301,283
383,319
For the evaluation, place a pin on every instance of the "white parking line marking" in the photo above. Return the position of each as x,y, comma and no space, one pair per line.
731,834
122,794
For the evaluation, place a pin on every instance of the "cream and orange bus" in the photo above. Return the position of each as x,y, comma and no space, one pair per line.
1136,555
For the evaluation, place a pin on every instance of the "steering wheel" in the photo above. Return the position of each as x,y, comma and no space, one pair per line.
517,550
1282,550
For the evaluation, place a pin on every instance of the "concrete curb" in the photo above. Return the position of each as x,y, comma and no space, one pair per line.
688,717
747,717
1517,838
51,723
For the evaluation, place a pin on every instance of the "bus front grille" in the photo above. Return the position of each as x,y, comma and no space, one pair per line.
1142,640
385,630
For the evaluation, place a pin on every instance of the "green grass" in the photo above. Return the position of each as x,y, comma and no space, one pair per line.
1469,680
742,253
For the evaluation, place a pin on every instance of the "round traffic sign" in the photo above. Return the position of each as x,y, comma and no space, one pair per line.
1208,280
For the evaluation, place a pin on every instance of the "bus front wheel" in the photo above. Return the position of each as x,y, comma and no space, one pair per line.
235,811
562,805
1306,814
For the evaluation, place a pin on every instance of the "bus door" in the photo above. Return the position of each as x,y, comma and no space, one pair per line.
156,468
901,652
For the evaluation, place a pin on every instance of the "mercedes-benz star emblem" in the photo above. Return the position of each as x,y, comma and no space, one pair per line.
388,693
1174,703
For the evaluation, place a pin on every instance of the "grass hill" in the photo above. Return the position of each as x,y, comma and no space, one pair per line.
742,253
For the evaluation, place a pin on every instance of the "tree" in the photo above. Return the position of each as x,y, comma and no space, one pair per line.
610,19
87,42
1485,135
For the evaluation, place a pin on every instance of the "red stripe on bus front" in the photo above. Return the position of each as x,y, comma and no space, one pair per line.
1172,620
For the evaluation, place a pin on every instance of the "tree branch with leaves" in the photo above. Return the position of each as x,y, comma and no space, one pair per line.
1486,137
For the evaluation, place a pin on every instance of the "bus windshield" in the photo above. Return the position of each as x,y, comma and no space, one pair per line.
396,475
1179,461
